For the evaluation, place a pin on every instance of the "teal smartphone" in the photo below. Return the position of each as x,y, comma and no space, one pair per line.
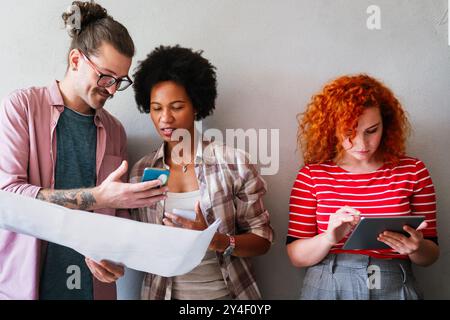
151,174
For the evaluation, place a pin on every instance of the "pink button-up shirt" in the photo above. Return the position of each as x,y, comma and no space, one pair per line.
28,119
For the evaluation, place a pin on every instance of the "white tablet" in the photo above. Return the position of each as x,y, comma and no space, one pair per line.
364,236
187,214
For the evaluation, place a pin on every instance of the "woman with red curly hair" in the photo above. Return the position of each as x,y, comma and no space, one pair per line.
353,140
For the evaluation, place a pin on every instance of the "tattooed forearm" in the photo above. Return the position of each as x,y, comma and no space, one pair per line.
82,199
41,196
87,200
64,198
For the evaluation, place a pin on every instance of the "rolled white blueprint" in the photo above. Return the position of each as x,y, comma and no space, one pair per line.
151,248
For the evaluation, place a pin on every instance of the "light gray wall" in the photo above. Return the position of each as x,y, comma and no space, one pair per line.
271,57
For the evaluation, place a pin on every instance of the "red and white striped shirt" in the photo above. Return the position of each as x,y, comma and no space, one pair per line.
321,189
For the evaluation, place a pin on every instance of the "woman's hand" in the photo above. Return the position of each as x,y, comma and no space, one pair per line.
341,223
403,244
218,243
105,271
172,220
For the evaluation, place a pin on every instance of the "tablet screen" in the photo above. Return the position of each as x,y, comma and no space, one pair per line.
364,237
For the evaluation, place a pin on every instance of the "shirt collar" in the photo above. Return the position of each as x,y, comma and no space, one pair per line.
56,99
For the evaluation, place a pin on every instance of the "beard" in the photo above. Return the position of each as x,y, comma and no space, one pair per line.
100,96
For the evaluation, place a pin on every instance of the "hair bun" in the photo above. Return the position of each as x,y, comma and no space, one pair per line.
81,14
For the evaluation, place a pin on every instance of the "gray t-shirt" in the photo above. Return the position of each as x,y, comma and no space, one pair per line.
65,275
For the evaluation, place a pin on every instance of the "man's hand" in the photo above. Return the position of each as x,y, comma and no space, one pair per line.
113,193
105,271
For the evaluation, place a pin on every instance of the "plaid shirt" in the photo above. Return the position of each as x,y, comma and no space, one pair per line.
232,190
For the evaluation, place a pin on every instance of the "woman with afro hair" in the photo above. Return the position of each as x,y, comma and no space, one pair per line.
177,86
352,136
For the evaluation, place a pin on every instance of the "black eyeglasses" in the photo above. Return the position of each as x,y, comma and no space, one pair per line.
105,80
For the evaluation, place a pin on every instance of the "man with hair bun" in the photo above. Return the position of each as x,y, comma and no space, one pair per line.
59,145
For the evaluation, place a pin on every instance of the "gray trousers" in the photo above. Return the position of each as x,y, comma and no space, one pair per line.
360,277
